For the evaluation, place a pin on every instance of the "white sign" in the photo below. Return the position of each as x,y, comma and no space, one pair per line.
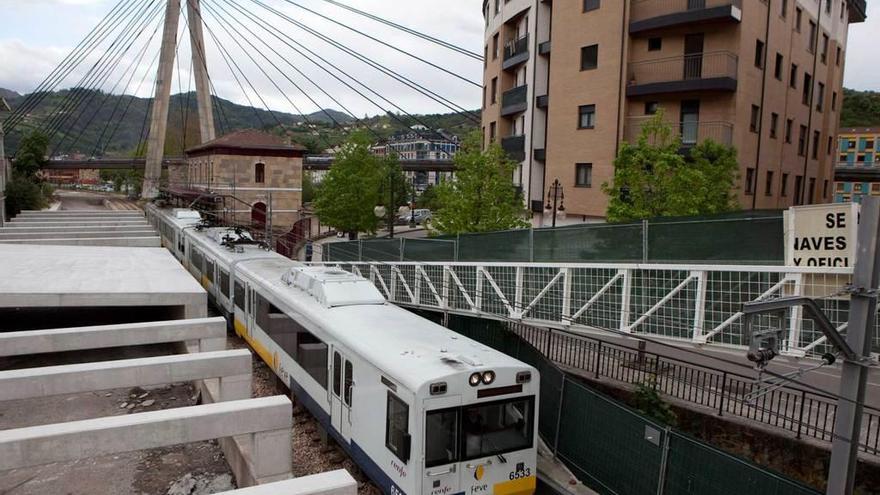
821,235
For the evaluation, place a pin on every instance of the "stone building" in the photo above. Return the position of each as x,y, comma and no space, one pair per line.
253,176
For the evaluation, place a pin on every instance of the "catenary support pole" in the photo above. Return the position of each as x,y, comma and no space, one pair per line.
854,375
200,70
161,102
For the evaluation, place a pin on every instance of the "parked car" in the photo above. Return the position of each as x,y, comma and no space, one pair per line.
420,216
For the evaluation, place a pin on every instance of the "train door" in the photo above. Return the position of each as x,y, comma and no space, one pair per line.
442,472
342,390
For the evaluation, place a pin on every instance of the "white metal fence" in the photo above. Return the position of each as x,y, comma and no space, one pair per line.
697,303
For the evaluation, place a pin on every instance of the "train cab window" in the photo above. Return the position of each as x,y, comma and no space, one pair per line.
337,374
397,438
209,270
224,283
497,427
441,437
239,296
196,258
349,382
181,246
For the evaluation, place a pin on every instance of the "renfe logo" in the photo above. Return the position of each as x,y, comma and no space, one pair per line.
400,469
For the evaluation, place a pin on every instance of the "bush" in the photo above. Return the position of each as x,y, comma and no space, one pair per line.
24,194
648,402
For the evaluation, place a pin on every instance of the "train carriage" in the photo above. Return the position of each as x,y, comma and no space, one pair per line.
421,409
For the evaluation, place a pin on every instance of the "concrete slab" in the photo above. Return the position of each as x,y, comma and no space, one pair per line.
90,233
130,242
11,229
233,368
67,218
211,332
77,276
338,482
79,223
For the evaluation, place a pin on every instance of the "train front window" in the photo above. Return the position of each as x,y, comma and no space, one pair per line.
441,437
497,427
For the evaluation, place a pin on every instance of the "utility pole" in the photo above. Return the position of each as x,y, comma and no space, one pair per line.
161,102
4,174
860,332
200,69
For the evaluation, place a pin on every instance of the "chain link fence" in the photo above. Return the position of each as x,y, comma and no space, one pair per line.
753,239
616,450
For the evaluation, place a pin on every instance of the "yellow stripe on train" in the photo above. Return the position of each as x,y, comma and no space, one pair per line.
241,331
523,486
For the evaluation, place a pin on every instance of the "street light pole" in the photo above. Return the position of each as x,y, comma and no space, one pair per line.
412,206
556,194
391,205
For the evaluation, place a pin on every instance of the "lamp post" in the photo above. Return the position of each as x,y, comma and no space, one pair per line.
556,195
412,205
380,211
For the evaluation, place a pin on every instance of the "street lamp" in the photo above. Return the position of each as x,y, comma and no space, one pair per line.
412,205
556,195
380,210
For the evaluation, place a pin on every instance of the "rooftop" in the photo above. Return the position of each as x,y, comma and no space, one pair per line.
250,142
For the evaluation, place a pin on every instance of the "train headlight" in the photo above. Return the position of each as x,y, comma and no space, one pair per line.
488,377
475,379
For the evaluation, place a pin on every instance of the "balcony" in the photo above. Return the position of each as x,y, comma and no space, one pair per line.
515,100
857,10
649,15
515,52
545,47
542,101
710,71
857,172
515,146
691,133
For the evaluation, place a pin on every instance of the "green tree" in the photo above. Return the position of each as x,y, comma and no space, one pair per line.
647,401
481,197
652,178
23,193
351,190
429,199
309,189
31,155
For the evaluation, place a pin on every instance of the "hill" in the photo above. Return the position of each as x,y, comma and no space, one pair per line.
860,109
100,130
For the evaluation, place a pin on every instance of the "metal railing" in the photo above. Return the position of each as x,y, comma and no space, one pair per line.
515,146
707,65
690,133
516,47
515,100
647,9
799,411
700,304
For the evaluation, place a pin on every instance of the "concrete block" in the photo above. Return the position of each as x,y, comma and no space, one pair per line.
131,242
102,337
74,440
338,482
271,456
233,368
74,234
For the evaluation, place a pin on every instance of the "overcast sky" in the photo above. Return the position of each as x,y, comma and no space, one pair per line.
37,34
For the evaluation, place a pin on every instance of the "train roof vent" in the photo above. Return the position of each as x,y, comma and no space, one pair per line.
333,287
186,214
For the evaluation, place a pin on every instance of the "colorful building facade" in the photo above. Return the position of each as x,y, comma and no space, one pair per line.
857,173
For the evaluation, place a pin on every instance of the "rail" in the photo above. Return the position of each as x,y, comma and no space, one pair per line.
691,133
707,65
647,9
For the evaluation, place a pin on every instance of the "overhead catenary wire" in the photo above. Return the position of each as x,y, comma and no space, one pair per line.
400,27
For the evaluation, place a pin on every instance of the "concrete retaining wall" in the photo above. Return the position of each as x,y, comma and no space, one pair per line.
331,483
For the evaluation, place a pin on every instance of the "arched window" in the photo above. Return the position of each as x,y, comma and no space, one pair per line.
260,173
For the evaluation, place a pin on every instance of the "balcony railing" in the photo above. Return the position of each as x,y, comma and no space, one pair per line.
680,10
691,132
701,71
515,52
515,146
515,100
857,171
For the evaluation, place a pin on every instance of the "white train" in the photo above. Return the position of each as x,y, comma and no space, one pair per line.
421,409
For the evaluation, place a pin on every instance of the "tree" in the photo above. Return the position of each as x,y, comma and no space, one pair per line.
652,178
309,189
23,193
429,199
481,197
351,190
31,155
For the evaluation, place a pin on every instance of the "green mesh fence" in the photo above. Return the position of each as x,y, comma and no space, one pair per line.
616,450
729,239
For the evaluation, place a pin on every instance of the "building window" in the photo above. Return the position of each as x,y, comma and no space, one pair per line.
755,121
830,145
492,132
586,116
591,5
789,124
655,44
774,123
260,173
834,101
798,188
495,47
838,56
397,427
798,16
783,186
820,97
494,90
759,54
750,181
792,76
784,11
589,57
811,192
777,71
802,141
816,137
583,176
811,47
824,52
651,107
825,189
828,6
768,186
808,85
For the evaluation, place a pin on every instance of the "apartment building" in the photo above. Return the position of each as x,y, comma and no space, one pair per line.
566,82
421,144
857,172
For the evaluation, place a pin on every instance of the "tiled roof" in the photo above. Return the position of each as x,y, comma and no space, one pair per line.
247,139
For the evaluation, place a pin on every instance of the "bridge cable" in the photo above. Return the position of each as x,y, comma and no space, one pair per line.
389,45
224,23
400,27
132,67
384,69
39,94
